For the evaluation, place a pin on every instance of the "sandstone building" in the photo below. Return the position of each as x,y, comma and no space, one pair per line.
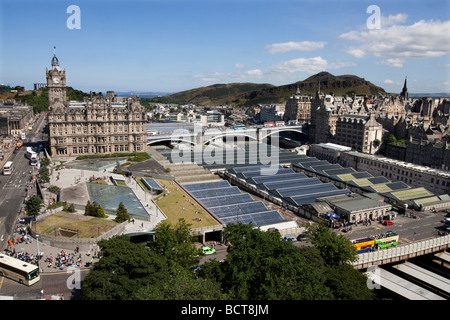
298,107
96,125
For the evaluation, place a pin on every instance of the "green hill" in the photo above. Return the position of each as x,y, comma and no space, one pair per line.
248,94
217,94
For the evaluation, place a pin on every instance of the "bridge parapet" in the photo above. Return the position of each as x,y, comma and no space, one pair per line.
200,136
403,252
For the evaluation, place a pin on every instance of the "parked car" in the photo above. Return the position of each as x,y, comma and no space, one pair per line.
388,222
301,236
290,238
208,250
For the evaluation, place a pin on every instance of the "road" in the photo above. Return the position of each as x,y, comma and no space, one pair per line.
425,226
13,188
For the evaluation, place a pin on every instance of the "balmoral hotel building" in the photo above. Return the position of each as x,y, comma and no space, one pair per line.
97,125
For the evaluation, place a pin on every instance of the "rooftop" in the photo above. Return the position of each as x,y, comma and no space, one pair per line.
403,164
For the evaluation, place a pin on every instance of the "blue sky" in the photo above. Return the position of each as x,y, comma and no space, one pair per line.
174,45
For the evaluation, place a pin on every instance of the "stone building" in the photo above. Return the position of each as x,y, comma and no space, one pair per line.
96,125
434,180
14,118
361,132
298,107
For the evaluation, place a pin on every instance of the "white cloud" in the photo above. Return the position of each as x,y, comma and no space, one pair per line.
279,71
240,65
391,20
422,39
388,81
292,45
392,62
308,65
212,76
255,72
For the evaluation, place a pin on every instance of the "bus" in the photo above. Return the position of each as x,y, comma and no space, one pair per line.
33,159
364,244
8,168
386,240
18,270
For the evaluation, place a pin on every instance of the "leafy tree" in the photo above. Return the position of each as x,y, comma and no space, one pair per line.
347,283
391,139
33,205
94,210
176,244
335,249
124,268
184,286
122,213
260,266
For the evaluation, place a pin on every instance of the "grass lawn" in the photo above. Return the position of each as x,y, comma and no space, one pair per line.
89,227
173,203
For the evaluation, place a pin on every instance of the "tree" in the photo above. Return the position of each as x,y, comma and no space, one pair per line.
100,212
128,271
94,210
122,213
123,269
335,249
88,208
259,266
185,285
176,244
33,205
391,139
347,283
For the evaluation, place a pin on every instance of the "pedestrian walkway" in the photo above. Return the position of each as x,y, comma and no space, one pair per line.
146,200
28,249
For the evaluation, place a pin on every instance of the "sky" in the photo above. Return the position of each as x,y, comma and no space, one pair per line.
175,45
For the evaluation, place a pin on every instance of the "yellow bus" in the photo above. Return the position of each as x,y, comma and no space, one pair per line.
364,244
19,270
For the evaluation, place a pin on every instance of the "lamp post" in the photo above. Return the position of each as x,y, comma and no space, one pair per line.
38,255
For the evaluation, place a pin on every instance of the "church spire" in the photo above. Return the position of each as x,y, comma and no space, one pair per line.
404,93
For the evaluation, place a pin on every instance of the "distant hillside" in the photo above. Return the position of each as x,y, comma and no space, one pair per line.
248,94
217,94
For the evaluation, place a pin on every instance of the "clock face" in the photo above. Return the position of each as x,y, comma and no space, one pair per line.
55,80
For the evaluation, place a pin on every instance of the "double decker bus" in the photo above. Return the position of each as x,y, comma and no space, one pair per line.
386,240
364,244
8,168
19,270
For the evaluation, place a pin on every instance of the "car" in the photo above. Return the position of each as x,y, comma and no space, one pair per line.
301,236
290,238
208,250
388,222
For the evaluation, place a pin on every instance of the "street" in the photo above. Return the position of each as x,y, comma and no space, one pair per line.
425,226
13,188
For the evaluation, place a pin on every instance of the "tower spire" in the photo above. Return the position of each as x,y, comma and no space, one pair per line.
55,62
404,93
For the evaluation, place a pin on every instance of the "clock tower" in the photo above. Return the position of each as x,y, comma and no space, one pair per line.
56,84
